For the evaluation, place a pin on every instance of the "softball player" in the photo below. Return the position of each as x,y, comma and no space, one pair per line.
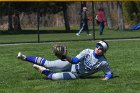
86,63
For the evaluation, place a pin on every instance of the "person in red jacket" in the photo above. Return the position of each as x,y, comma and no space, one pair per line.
101,19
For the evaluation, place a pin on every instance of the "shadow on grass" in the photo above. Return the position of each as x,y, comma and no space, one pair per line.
89,77
92,77
6,32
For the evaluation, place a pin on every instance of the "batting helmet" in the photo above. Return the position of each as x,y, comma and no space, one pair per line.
103,45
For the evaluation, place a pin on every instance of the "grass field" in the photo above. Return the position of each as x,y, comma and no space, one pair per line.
19,77
108,34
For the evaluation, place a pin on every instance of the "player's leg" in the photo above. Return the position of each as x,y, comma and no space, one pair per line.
63,76
32,59
53,65
56,76
86,28
81,29
101,28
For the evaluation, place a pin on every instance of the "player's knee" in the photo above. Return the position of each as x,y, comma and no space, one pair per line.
57,76
63,76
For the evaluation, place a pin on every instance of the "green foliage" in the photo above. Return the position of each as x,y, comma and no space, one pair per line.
18,76
132,10
44,7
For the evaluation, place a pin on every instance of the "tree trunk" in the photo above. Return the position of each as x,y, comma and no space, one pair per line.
10,25
108,14
66,21
17,26
120,16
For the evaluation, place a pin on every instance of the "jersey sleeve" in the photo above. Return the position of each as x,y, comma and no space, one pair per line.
76,59
107,70
82,54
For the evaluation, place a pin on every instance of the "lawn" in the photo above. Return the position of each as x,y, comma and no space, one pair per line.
45,37
17,76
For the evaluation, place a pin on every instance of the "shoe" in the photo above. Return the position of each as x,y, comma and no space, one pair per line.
101,33
21,56
77,34
39,68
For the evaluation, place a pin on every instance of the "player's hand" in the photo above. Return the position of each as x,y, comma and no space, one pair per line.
105,23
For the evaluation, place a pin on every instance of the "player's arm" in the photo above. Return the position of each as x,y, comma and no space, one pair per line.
60,52
108,76
75,60
107,71
72,60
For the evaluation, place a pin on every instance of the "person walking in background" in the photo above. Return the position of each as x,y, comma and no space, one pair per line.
84,22
101,19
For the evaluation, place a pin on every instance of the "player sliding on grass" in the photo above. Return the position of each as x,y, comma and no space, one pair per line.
86,63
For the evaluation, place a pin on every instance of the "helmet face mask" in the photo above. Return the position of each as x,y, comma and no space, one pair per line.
103,45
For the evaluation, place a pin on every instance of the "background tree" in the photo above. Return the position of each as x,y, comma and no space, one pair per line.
108,15
132,12
120,16
65,14
18,8
53,13
10,23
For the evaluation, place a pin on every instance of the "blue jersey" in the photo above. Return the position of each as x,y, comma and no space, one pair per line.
91,63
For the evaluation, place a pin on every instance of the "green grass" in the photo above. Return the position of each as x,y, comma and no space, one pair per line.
17,76
12,38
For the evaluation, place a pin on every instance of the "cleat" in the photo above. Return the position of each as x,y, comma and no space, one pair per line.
21,56
39,68
77,34
89,34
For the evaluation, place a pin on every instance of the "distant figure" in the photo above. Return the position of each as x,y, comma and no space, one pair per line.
84,22
101,19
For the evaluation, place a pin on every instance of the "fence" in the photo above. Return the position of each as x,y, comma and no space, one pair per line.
51,27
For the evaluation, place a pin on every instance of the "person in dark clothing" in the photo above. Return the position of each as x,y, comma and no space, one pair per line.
84,22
